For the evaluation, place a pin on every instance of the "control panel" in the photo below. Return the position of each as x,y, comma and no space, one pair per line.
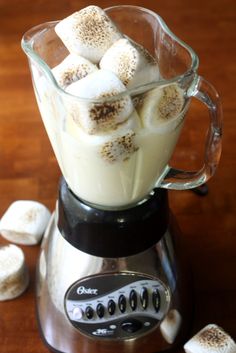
116,306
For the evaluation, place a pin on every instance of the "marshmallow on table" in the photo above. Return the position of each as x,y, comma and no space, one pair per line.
14,276
105,114
131,63
71,69
24,222
161,108
211,339
88,32
170,326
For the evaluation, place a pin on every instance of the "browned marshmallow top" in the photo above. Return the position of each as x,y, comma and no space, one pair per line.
88,32
128,59
213,337
119,148
171,102
93,28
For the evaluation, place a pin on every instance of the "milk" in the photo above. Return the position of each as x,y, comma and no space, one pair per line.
95,179
119,183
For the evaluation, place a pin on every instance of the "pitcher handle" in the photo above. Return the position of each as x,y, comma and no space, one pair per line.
180,179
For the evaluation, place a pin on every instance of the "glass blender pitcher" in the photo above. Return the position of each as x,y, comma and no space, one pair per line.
112,223
127,178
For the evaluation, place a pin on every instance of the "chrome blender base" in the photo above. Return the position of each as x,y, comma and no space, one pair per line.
63,268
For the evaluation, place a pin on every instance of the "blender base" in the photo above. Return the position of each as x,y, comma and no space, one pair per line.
77,293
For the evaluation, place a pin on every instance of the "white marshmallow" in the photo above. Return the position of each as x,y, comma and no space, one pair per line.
112,147
162,108
211,339
24,222
88,32
71,69
170,326
131,63
104,115
14,276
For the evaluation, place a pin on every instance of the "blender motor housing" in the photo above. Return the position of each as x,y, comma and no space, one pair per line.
109,280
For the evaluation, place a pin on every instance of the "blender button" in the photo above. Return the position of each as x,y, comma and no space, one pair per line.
122,303
77,313
133,299
144,297
100,310
111,307
89,312
156,300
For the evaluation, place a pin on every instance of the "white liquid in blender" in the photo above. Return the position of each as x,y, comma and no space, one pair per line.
122,182
97,180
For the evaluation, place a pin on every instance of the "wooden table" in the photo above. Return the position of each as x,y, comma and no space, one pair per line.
28,169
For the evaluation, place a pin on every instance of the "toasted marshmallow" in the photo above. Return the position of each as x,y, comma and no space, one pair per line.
211,339
24,222
162,108
121,145
14,276
131,63
170,326
112,147
88,32
119,148
71,69
105,115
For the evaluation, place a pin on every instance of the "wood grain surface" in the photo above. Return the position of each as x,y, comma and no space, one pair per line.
28,169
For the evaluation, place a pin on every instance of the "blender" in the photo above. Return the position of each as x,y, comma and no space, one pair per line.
111,275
